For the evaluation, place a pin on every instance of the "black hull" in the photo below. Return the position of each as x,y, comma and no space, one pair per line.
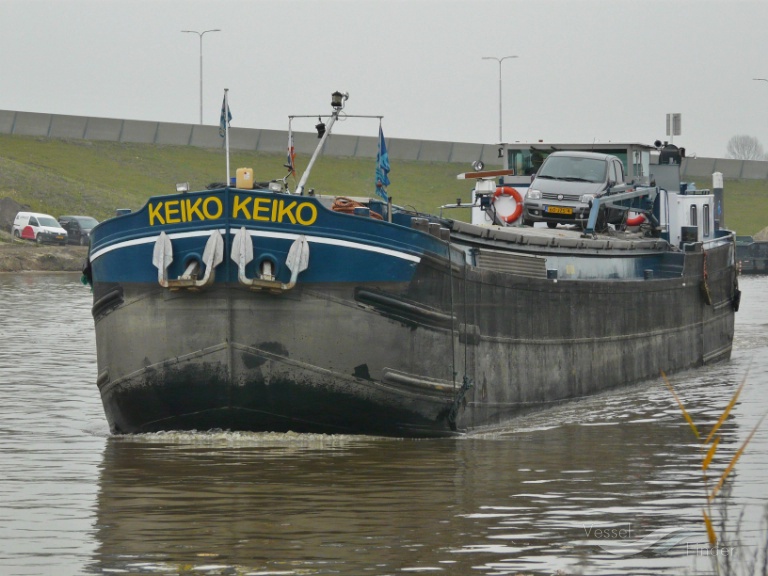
458,348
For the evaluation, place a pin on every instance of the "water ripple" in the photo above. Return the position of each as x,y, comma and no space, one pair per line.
527,497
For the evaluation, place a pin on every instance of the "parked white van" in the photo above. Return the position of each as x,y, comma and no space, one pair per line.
42,228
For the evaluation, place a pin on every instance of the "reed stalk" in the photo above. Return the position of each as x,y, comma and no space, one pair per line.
709,447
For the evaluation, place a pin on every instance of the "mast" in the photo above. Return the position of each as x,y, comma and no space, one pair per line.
337,103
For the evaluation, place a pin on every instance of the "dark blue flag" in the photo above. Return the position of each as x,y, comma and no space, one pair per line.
226,117
382,167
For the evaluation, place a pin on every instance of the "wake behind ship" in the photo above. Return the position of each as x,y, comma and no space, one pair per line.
251,307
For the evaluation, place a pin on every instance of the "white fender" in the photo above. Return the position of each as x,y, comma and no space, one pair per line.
242,253
298,258
162,256
213,255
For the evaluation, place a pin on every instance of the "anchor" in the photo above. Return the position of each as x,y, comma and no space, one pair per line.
242,253
162,257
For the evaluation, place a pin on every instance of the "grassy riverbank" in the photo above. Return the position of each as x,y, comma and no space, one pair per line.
94,178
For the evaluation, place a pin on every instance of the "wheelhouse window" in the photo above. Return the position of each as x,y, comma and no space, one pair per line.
525,162
635,164
641,161
706,220
694,215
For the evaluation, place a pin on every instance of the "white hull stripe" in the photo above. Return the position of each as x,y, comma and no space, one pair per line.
148,240
337,242
263,234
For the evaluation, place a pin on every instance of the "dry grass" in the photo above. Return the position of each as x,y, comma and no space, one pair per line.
722,564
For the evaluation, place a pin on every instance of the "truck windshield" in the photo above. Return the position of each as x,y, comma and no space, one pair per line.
87,222
46,221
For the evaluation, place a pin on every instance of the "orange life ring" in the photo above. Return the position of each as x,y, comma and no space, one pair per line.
509,191
636,220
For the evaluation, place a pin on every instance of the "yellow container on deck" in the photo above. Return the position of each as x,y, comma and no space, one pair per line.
245,178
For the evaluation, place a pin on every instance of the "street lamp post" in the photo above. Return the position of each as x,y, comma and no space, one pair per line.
201,34
499,60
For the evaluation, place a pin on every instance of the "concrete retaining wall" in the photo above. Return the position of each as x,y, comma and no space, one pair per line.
275,141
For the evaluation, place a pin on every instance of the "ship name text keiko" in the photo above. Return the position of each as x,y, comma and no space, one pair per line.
212,208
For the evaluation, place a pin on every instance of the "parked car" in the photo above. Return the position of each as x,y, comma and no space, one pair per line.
78,228
565,185
42,228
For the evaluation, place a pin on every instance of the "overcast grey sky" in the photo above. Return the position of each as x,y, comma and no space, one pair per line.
605,70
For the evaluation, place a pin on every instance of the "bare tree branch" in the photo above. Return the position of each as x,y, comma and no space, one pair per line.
743,147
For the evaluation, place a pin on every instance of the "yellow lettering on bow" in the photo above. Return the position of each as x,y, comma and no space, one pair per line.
303,207
284,210
247,207
193,209
171,210
154,213
261,205
218,207
241,206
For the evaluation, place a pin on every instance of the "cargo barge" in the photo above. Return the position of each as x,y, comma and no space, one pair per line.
751,255
254,307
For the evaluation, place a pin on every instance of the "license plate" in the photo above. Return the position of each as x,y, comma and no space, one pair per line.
558,210
59,237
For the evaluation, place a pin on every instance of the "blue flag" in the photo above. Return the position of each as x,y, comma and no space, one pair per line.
382,167
291,156
226,117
